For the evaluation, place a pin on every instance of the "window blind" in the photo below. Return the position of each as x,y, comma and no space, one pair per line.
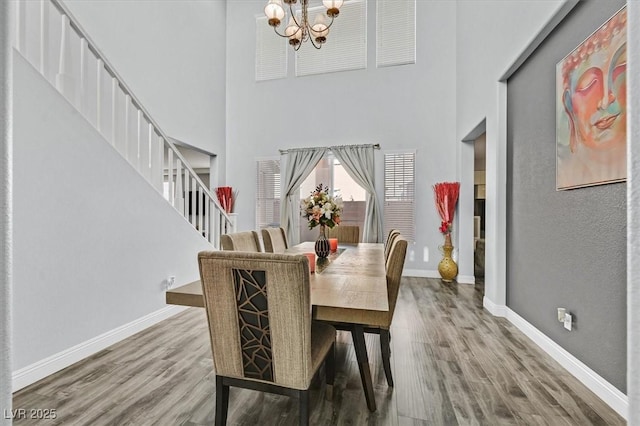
268,193
346,46
395,32
271,52
399,194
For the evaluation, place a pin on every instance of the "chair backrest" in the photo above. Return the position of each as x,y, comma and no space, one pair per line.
345,234
395,264
241,241
275,240
393,234
259,312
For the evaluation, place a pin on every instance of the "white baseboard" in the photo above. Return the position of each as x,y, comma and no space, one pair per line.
618,401
425,273
43,368
421,273
494,309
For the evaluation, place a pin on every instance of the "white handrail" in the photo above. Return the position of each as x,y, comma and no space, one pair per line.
176,162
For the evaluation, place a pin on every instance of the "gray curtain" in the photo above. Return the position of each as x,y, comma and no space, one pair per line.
300,163
358,162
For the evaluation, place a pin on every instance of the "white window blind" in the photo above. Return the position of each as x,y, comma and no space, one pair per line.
268,193
399,194
346,46
395,32
271,52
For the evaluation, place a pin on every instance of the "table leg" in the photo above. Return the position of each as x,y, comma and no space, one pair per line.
357,332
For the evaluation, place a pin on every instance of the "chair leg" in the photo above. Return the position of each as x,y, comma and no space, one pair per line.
385,339
330,371
303,397
222,402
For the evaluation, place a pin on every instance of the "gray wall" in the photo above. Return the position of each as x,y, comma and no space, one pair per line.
564,248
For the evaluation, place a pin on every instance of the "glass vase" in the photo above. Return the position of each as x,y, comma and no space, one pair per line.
322,247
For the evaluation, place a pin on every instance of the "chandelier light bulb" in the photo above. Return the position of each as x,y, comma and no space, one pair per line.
274,12
333,7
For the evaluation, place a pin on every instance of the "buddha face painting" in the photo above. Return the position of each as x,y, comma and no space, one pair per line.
591,106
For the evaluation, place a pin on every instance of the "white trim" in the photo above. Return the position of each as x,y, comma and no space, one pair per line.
493,308
427,273
603,389
43,368
421,273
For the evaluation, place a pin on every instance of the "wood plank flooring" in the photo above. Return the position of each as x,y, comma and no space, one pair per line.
453,364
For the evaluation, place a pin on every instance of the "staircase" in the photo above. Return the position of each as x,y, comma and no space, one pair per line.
67,57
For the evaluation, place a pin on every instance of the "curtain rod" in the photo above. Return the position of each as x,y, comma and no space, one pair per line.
286,151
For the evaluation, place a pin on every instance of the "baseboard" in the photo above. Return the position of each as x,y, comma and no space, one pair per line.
617,400
421,273
425,273
493,308
43,368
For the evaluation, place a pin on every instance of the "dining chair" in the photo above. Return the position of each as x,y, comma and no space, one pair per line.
393,234
262,337
345,234
380,322
241,241
275,240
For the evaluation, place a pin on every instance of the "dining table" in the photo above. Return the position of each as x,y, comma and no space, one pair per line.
348,289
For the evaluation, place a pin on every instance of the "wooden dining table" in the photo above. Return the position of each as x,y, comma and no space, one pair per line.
346,288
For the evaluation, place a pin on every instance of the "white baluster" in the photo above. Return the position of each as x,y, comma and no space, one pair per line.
159,174
127,102
44,38
170,177
138,162
83,75
99,68
150,150
21,27
186,194
179,202
207,207
114,109
193,202
200,205
64,81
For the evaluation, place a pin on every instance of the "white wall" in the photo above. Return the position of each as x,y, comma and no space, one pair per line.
405,107
491,35
93,241
171,53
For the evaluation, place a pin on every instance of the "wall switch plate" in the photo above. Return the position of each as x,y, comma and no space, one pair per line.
567,321
561,313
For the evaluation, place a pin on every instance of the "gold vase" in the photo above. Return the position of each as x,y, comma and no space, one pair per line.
447,267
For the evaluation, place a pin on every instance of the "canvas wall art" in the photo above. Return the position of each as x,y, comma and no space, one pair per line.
591,108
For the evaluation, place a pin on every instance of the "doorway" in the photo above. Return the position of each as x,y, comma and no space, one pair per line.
479,209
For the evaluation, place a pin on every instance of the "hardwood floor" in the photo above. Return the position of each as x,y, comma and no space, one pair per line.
453,364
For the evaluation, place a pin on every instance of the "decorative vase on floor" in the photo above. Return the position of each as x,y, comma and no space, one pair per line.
447,267
323,247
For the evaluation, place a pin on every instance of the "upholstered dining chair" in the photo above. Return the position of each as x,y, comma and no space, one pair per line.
393,234
275,240
262,337
380,322
241,241
345,234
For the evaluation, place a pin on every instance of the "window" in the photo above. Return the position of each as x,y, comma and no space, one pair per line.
331,173
268,194
396,32
346,46
271,52
399,193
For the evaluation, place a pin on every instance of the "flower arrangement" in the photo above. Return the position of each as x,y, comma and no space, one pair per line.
320,208
227,197
446,197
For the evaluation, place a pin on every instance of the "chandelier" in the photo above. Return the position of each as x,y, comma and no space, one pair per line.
299,29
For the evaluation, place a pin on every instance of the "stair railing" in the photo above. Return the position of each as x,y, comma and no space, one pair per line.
88,80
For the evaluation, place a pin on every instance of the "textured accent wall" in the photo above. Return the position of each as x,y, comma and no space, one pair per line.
564,248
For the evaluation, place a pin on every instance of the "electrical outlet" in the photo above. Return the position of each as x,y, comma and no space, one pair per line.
561,313
171,281
567,321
